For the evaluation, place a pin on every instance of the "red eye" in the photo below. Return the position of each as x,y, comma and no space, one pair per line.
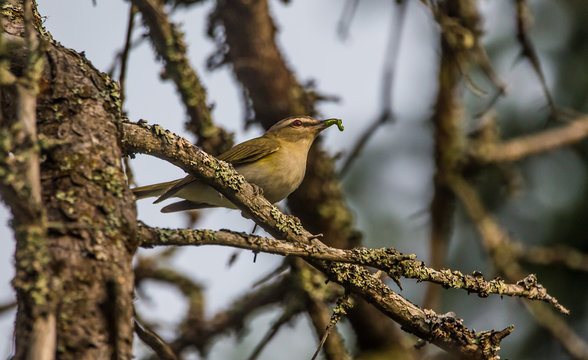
297,123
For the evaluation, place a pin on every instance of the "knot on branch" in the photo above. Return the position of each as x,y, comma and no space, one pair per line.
530,282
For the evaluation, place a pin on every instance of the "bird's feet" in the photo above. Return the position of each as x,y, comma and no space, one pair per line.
257,190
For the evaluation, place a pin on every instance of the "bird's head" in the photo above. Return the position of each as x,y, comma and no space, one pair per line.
302,129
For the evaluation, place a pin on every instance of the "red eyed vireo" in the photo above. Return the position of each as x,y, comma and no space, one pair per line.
275,161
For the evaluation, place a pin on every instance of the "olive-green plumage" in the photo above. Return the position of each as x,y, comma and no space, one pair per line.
275,161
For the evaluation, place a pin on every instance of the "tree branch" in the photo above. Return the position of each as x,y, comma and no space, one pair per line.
155,342
389,260
558,255
523,146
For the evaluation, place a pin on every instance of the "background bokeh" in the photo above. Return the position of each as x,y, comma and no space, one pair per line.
390,185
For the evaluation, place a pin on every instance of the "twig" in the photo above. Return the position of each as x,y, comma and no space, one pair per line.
340,310
115,61
316,295
277,271
528,50
125,53
387,86
7,306
289,312
155,342
344,22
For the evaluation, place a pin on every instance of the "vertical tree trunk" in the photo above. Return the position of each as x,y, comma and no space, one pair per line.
90,213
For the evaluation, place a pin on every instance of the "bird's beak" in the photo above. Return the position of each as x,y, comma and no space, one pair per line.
327,123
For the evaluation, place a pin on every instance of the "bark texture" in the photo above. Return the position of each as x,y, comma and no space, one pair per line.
90,213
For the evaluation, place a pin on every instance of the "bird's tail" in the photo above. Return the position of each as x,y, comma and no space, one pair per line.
159,189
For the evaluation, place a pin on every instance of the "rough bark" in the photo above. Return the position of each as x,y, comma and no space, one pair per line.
91,217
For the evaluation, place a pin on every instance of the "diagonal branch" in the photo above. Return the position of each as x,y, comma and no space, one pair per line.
155,342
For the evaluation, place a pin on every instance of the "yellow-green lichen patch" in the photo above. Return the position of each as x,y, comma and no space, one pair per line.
225,172
285,222
32,259
115,181
69,196
161,132
343,305
12,11
165,235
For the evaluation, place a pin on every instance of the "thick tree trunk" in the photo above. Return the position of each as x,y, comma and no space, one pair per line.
89,239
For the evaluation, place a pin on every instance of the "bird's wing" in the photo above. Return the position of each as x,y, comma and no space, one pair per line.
250,151
245,152
174,189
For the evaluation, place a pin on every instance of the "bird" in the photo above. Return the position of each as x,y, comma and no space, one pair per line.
275,162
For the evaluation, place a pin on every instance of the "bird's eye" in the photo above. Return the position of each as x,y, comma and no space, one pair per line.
297,123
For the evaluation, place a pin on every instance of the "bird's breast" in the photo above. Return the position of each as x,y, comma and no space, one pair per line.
278,174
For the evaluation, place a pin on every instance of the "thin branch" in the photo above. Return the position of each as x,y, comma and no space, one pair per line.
155,342
558,255
387,89
347,15
170,46
316,295
7,307
528,50
389,260
124,57
450,335
527,145
335,350
291,310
